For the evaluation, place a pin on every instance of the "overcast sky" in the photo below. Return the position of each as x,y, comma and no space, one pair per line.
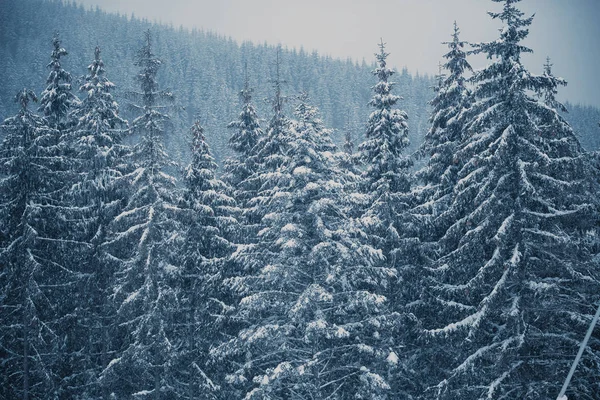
566,30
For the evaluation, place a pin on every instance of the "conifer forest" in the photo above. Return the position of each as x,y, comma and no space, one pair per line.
183,216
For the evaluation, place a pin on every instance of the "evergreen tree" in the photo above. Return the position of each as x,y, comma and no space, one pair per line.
97,150
57,100
28,340
211,214
386,177
268,155
351,175
244,139
549,92
240,169
515,285
348,138
57,103
60,250
143,248
438,177
317,323
429,216
386,183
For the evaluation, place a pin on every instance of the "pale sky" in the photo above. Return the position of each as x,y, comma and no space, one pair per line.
566,30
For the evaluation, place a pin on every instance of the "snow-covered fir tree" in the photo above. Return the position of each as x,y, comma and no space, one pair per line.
269,154
515,285
438,177
98,155
240,169
251,193
348,137
57,100
59,251
143,245
29,341
57,103
247,132
386,177
317,324
211,222
549,92
351,175
431,199
347,162
386,183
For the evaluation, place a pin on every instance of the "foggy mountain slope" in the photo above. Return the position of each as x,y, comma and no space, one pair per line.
203,70
585,120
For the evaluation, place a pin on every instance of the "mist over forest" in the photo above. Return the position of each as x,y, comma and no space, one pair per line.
205,72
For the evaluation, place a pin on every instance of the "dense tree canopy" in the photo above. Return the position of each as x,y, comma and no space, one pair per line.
464,265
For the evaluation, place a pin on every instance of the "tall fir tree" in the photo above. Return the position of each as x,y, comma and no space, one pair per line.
57,100
247,132
386,183
270,151
438,177
211,212
351,175
29,340
515,285
60,249
429,216
317,323
98,152
548,93
386,177
347,162
267,155
240,169
143,247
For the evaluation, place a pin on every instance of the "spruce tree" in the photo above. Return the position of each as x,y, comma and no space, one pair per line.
350,174
438,177
97,152
269,153
57,100
143,247
266,156
211,221
386,177
549,92
316,320
515,285
429,216
60,248
28,338
247,132
240,169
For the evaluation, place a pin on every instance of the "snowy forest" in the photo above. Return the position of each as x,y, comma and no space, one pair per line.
193,218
